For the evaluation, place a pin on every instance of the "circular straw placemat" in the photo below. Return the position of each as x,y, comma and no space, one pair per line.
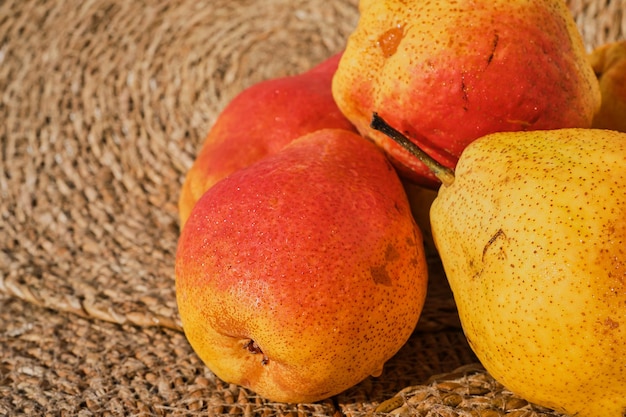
104,105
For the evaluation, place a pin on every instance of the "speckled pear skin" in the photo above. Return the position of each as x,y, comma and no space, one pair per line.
447,72
609,64
532,236
302,274
260,121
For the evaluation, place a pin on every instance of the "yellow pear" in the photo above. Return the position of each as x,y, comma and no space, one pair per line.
531,230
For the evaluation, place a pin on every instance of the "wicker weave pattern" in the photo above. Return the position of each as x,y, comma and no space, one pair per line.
599,21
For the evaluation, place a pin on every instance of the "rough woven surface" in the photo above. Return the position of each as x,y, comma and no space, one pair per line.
104,105
54,362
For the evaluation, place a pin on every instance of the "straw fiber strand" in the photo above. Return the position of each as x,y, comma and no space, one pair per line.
600,21
466,392
104,105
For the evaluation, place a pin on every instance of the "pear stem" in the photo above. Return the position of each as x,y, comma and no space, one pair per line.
443,173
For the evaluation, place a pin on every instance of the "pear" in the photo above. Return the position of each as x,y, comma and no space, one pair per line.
531,231
609,64
260,121
448,72
302,274
420,200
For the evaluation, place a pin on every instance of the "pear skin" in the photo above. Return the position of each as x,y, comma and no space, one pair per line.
259,121
420,200
302,274
609,64
447,72
532,236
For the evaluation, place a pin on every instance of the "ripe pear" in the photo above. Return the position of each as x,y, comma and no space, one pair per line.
302,274
532,236
531,231
448,72
259,121
609,64
420,200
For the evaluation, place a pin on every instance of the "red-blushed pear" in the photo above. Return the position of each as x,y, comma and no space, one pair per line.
609,63
447,72
259,121
302,274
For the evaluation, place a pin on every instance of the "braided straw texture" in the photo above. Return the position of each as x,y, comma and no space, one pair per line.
104,105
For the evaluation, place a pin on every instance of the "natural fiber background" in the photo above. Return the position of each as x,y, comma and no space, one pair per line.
103,106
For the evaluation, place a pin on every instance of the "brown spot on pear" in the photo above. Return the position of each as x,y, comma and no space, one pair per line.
390,40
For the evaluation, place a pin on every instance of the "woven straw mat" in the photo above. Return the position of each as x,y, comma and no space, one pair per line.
104,105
